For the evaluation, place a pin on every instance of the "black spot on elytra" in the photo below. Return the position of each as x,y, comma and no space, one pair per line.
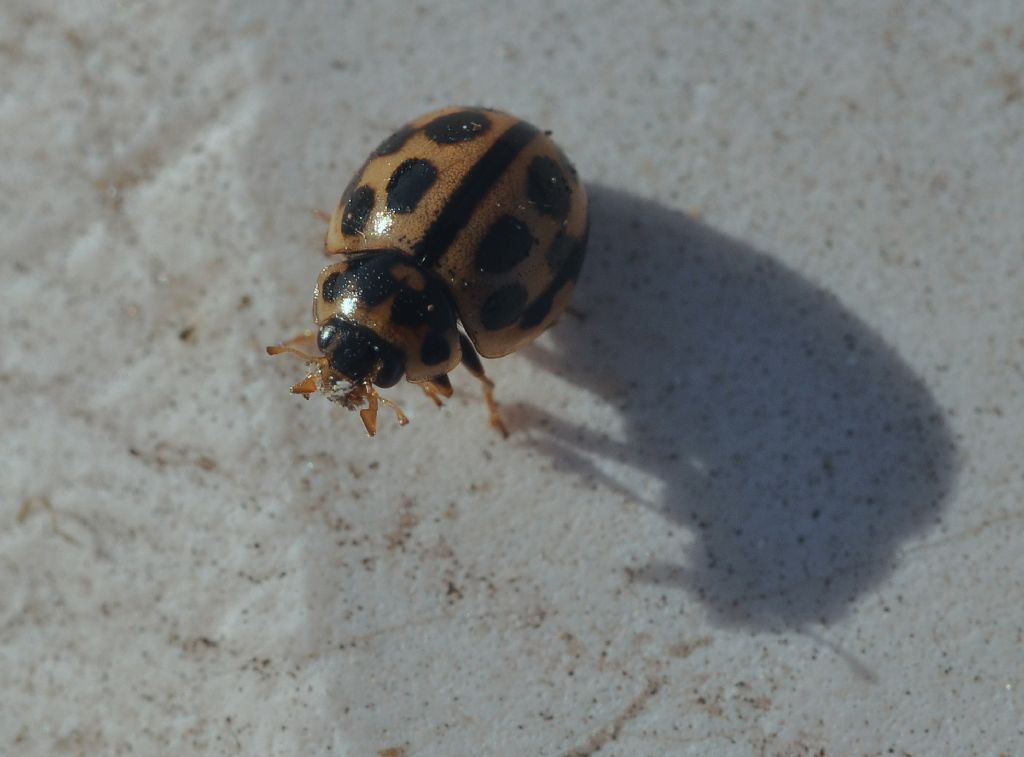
435,349
559,251
506,244
540,308
395,142
357,210
547,187
329,290
503,307
457,127
352,184
566,163
474,186
409,183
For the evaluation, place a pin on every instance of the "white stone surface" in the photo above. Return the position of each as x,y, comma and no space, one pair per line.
763,496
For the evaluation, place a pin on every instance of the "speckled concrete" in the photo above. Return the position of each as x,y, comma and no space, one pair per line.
764,490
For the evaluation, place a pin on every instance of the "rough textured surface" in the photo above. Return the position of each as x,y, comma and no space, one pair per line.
763,493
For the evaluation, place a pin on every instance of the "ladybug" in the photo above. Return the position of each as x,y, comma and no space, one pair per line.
462,235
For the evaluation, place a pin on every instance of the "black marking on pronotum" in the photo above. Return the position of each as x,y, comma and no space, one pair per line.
506,244
412,308
409,183
471,191
368,276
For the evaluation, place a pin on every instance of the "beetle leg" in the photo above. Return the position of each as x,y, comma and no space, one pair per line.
306,387
438,389
369,413
472,362
403,419
296,345
293,346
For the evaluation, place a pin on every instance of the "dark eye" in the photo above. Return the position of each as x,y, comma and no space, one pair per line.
327,334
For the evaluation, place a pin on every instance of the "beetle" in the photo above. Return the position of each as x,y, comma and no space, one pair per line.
462,235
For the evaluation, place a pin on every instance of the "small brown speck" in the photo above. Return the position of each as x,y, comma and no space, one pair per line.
1012,86
684,649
